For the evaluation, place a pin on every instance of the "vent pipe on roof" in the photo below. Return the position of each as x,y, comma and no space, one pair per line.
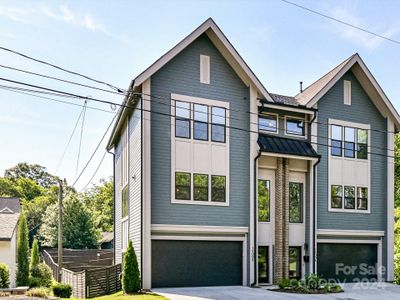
301,86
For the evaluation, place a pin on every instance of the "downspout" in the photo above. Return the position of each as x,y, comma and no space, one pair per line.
255,218
141,191
113,154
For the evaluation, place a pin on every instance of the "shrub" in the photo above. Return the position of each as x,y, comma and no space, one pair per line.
294,283
41,276
37,292
312,281
22,253
302,289
130,273
62,290
4,276
284,283
34,254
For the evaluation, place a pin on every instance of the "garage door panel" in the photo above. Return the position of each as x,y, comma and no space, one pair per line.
196,263
347,262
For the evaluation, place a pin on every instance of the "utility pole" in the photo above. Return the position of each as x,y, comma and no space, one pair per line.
60,229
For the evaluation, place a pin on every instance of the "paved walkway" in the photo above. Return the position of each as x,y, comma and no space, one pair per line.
370,291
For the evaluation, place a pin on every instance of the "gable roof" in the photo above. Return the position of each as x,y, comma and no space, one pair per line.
9,205
8,223
313,93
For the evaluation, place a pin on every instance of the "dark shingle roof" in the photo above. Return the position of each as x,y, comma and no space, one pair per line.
287,100
10,204
281,145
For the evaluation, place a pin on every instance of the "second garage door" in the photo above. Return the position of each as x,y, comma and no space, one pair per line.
347,262
196,263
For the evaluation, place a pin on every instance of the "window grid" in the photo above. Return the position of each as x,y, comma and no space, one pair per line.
349,142
354,198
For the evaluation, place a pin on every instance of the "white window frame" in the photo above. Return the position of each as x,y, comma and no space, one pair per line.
260,115
347,92
210,103
205,71
332,158
296,135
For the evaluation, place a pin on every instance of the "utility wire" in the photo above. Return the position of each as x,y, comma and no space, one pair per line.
95,172
80,138
62,69
342,22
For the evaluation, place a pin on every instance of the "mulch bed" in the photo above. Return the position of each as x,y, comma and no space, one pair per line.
293,291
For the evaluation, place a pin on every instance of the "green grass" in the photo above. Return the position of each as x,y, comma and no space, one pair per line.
122,296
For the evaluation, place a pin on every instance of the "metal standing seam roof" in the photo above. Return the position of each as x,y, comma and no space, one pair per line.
288,146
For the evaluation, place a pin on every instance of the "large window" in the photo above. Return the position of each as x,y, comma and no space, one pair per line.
200,127
295,126
268,122
182,119
336,141
218,188
218,124
200,190
263,200
347,141
125,202
349,198
362,144
295,202
182,186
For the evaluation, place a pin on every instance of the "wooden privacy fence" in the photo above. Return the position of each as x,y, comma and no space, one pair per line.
88,283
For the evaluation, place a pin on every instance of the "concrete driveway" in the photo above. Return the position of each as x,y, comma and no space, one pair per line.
370,291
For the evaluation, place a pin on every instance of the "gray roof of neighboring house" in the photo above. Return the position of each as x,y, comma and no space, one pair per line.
9,205
106,237
9,214
287,100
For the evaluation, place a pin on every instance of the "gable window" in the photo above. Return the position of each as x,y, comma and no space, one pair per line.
218,188
362,144
295,202
349,142
218,124
268,122
263,200
200,127
205,69
182,186
336,196
200,190
347,92
349,197
362,198
336,141
182,119
295,126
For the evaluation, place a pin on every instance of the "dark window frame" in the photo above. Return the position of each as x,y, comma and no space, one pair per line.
184,186
337,197
221,189
265,253
200,122
206,188
347,198
365,145
265,116
295,119
268,219
301,202
217,124
298,262
182,119
336,140
362,198
346,143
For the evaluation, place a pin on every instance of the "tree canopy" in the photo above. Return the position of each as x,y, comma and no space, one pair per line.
35,172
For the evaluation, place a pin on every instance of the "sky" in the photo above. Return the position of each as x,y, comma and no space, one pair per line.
114,41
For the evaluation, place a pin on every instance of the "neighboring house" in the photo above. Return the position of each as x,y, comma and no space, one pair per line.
107,240
10,209
219,182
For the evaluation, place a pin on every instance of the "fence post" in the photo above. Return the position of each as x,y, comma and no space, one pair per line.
87,291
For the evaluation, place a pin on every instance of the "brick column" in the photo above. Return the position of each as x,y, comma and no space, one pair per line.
278,275
285,219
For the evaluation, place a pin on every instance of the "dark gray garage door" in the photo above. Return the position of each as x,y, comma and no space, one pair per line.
196,263
347,262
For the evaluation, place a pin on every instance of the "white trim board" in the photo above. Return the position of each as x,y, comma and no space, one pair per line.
166,228
350,233
289,156
390,201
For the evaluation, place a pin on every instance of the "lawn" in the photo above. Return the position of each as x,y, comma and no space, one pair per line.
121,296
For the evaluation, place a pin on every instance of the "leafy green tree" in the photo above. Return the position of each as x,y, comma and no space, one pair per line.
397,170
99,200
35,254
34,172
23,188
130,273
79,231
22,253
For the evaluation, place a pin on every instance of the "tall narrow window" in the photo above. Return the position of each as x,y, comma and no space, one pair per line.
349,142
263,262
347,92
336,140
295,262
182,119
200,127
336,196
295,202
295,126
200,190
268,123
204,69
362,198
182,186
263,200
125,202
124,155
218,126
218,185
349,197
362,144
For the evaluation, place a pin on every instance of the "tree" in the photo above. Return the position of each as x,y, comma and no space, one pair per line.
397,170
22,253
130,273
34,172
78,226
100,200
35,255
23,188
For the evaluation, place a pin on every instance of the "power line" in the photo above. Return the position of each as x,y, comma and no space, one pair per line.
80,138
95,172
62,69
341,22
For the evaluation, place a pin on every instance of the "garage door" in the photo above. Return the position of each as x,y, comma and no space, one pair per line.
196,263
347,262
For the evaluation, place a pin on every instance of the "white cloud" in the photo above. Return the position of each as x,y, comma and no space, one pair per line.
14,14
357,36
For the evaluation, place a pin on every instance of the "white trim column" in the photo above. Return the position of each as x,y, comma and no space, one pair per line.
390,200
146,188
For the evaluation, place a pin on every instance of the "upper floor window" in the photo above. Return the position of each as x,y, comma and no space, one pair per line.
218,124
295,202
268,122
200,127
263,200
124,155
182,119
125,202
295,126
205,69
355,141
347,92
